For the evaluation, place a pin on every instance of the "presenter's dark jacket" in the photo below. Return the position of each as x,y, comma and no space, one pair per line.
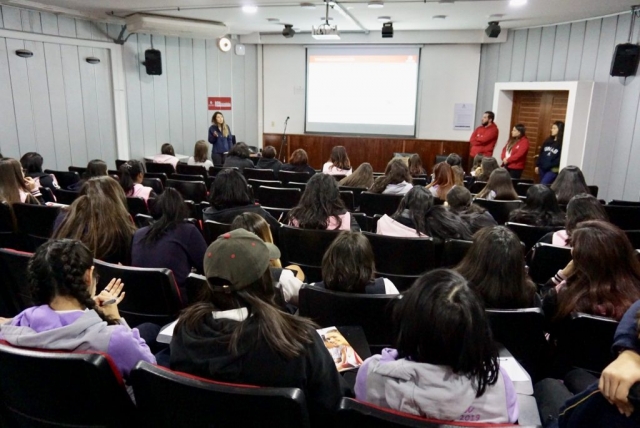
483,140
298,168
518,156
549,159
221,144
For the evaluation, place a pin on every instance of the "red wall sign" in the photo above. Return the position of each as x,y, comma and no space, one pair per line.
219,103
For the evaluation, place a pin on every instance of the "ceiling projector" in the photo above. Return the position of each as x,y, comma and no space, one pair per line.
325,32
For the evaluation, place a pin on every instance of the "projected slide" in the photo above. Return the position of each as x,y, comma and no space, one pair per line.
362,91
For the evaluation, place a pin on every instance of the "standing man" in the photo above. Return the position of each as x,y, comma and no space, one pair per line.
485,137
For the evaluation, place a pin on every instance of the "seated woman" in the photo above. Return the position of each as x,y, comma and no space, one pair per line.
458,175
95,168
602,279
269,160
131,176
338,163
170,242
540,209
568,183
100,220
238,157
415,166
489,164
321,207
476,168
499,187
348,266
287,281
476,217
15,187
167,155
229,196
200,155
298,162
361,177
495,269
442,181
237,334
32,165
395,181
454,159
445,364
582,207
68,315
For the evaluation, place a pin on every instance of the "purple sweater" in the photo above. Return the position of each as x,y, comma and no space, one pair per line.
42,327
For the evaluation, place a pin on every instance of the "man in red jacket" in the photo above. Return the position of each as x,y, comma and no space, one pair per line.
485,137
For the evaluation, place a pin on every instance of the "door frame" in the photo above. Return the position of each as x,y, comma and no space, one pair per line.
576,128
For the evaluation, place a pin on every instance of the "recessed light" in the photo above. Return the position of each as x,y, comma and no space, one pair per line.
249,9
273,20
518,2
309,6
375,4
496,16
325,18
349,7
439,17
447,1
384,18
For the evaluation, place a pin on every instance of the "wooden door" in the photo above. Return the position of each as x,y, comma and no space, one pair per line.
537,110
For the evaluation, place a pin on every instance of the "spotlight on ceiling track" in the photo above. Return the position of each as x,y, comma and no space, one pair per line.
493,30
288,31
387,30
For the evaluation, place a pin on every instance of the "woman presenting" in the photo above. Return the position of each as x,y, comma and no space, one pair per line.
514,154
548,163
220,137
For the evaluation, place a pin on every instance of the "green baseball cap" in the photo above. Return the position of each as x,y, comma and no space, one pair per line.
239,257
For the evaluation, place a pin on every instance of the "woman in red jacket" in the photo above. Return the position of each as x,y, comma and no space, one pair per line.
514,154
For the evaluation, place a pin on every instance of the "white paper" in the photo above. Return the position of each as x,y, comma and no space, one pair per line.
514,370
463,116
166,333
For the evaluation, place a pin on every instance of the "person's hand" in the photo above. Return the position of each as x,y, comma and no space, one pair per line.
5,320
568,270
30,183
105,300
215,133
297,270
618,377
504,161
537,170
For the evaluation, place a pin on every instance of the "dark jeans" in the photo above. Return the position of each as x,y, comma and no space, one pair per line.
217,158
515,173
547,177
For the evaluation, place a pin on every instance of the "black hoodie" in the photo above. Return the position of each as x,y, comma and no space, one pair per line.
549,155
269,163
205,352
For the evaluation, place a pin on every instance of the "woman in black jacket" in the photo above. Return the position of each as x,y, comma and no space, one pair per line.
548,163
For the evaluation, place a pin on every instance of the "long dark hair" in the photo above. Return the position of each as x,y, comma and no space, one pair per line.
229,190
174,211
607,272
489,164
129,172
560,137
415,165
95,168
285,334
58,268
569,183
167,149
495,269
339,158
513,140
460,201
319,202
540,209
32,162
395,173
240,150
441,321
348,264
583,207
415,205
443,224
501,184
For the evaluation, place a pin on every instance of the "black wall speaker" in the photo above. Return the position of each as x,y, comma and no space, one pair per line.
387,30
493,29
625,60
153,62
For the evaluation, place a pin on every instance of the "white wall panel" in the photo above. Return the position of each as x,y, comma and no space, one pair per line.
90,105
9,141
21,97
75,109
174,89
187,97
57,99
200,93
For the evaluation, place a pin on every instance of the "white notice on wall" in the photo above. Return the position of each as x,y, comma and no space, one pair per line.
463,116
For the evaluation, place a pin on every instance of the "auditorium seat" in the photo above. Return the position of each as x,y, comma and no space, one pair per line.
516,181
278,197
183,168
404,258
214,170
376,203
418,181
357,192
161,175
36,222
295,185
213,229
305,248
546,260
499,209
593,190
279,214
195,191
298,177
188,177
66,197
166,398
634,237
154,183
625,217
622,203
47,195
586,340
41,388
142,220
255,184
530,235
64,178
339,177
348,199
9,237
362,220
165,168
372,312
194,286
152,293
136,205
454,251
477,187
15,292
120,162
522,188
259,174
79,169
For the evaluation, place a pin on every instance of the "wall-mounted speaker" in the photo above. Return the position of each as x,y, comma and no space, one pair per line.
625,60
153,62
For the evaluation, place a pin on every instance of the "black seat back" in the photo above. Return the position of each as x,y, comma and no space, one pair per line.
587,341
499,209
634,237
136,205
152,294
195,285
593,190
294,185
213,229
372,312
64,178
183,168
142,220
357,192
419,181
305,248
36,222
546,260
214,170
260,174
477,187
530,235
621,203
160,175
625,217
376,203
348,199
402,256
66,197
278,197
31,382
255,184
9,237
120,162
522,188
298,177
188,177
165,168
454,251
79,169
195,191
154,183
15,292
171,399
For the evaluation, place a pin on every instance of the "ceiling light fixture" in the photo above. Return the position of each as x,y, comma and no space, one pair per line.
439,17
249,9
376,4
447,1
517,2
496,16
326,18
273,20
308,6
384,19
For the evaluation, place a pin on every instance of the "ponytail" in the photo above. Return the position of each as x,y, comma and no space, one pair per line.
129,171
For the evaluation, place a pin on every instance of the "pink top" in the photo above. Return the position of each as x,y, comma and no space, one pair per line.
389,227
328,168
333,222
560,238
166,159
140,191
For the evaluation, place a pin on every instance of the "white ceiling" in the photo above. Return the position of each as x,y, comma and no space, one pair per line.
405,14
